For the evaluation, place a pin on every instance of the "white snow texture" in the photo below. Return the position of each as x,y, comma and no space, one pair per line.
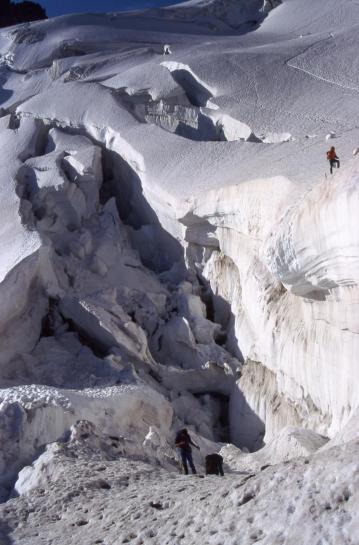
174,252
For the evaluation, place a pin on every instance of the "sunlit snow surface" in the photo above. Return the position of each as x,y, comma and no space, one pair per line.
174,252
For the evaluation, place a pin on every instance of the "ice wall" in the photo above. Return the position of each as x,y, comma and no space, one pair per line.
294,258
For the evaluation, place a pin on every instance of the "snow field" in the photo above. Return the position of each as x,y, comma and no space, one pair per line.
95,498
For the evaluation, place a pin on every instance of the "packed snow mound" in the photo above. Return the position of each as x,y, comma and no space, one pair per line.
85,440
32,417
289,443
348,433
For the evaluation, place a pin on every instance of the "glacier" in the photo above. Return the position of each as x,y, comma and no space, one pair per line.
174,252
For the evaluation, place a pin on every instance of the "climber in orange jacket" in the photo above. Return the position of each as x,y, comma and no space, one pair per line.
333,159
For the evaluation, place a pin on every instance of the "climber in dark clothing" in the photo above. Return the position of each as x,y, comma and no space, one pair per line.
183,442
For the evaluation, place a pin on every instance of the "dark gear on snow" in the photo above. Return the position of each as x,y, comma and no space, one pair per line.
214,465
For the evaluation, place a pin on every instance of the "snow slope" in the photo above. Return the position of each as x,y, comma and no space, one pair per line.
174,251
94,496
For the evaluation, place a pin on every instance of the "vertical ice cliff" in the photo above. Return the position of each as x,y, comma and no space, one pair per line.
294,298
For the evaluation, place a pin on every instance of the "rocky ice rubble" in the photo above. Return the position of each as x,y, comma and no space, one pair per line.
173,253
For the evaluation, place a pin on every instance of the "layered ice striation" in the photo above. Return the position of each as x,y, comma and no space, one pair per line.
294,298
